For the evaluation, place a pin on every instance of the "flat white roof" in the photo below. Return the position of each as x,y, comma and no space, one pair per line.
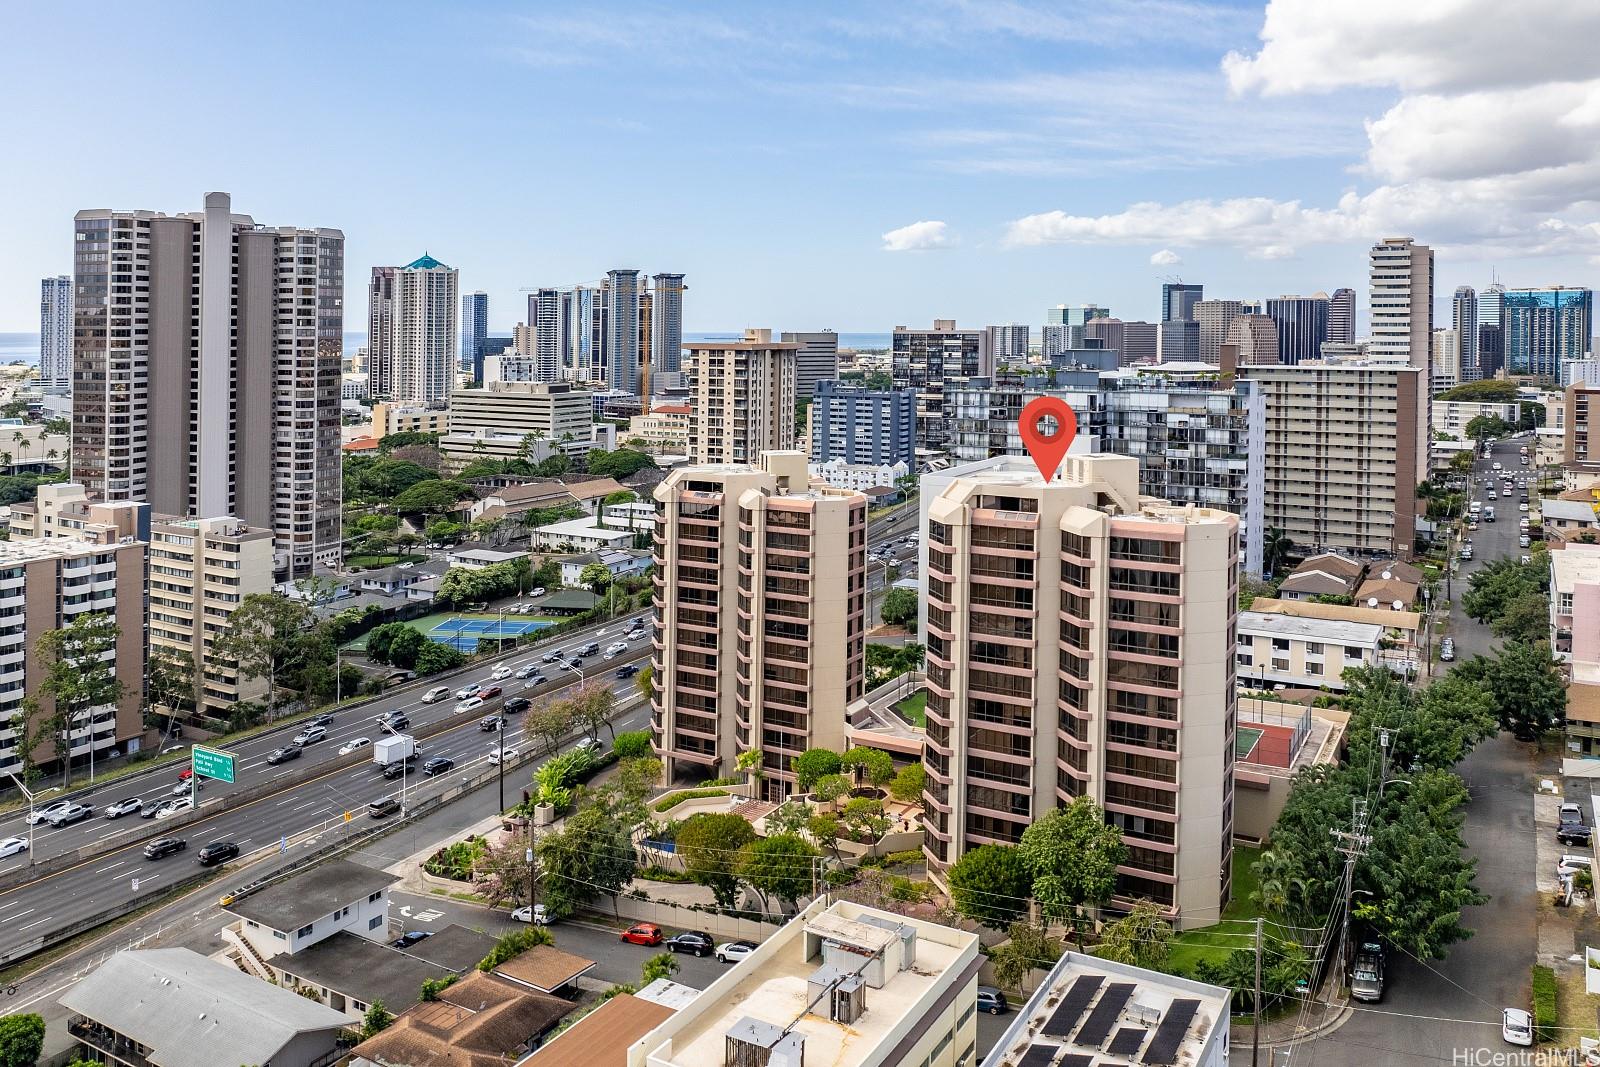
1573,510
1256,623
585,528
1577,563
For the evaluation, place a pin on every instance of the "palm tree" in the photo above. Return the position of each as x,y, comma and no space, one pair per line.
1275,549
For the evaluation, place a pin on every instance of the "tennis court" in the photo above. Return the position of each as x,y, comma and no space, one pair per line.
1244,741
465,633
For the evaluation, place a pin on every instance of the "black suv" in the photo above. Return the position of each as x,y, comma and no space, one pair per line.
700,944
437,765
217,852
1570,827
515,705
164,846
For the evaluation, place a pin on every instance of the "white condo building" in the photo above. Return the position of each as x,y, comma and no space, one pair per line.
55,335
413,330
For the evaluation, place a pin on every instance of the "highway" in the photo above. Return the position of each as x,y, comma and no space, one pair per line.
58,900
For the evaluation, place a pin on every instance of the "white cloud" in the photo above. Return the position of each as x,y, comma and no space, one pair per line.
1483,150
1165,258
918,237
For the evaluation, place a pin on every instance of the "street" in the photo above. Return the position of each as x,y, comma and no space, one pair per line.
1459,998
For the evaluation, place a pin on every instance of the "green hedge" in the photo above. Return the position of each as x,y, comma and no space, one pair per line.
1545,1020
693,794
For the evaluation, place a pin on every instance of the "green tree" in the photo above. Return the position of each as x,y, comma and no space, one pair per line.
1276,548
592,855
644,682
812,765
899,607
1525,619
432,497
79,679
432,987
593,704
878,381
622,463
1027,947
264,634
376,1021
710,845
1525,683
21,1039
1493,587
621,496
1490,426
634,744
1489,390
871,765
1142,937
783,866
1072,855
865,819
831,787
596,577
173,681
434,658
514,944
990,885
825,829
908,784
661,965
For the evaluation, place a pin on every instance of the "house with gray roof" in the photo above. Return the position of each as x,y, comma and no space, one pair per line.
171,1007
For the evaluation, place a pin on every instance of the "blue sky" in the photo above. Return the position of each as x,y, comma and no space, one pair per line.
1017,154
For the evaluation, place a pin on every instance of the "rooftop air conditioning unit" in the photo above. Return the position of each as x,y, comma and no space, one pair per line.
753,1043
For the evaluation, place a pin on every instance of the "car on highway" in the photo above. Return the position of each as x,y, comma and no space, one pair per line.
642,934
311,735
39,815
353,744
128,806
284,754
550,657
164,846
1570,827
509,754
591,649
992,1000
437,765
501,672
464,706
217,852
490,723
573,664
13,845
627,671
537,915
436,694
150,811
172,807
527,670
1516,1027
387,806
516,705
70,814
616,647
489,692
468,690
397,769
183,788
592,745
410,937
394,724
694,942
734,951
321,720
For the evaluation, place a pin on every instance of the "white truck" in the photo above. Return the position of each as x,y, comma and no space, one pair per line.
392,751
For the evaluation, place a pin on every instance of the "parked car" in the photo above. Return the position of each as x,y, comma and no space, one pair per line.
117,810
734,951
13,845
509,754
992,1000
1516,1027
527,670
694,942
489,692
468,690
311,735
164,846
70,814
1366,977
284,754
501,672
437,765
410,937
353,744
642,934
536,591
464,706
387,806
1524,542
39,815
537,915
1571,864
1570,826
217,852
436,694
1447,650
515,705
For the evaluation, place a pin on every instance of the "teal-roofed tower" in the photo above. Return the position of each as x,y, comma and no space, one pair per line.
412,335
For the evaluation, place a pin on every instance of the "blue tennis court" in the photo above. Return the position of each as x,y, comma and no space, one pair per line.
466,633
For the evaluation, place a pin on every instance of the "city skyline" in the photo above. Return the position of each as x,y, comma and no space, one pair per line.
1182,143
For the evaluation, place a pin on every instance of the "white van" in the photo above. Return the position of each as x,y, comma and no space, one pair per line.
436,694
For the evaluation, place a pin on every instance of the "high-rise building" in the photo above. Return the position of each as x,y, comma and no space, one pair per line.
743,396
1401,300
1581,429
760,578
1302,324
552,412
666,337
621,353
1215,317
1342,317
1132,602
380,332
54,581
816,361
1544,328
417,356
1009,343
925,360
1491,349
1447,363
544,336
1255,340
863,426
1464,321
474,332
1178,300
1180,341
1080,315
1344,454
1492,306
55,336
211,386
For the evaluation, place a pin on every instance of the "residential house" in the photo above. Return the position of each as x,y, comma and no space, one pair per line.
638,515
399,579
293,914
1325,574
350,973
514,501
1573,512
481,1021
859,476
476,557
1390,584
1284,650
602,1038
617,562
582,535
591,493
1400,646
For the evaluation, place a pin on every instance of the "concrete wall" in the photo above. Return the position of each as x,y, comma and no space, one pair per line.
689,919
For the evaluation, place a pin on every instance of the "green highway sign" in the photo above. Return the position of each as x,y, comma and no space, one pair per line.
210,763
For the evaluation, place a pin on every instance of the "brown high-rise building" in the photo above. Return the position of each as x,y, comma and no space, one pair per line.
1255,338
1081,643
760,587
743,396
206,370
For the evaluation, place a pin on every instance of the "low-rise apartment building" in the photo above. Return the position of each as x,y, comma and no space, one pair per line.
1453,416
390,417
665,428
1300,653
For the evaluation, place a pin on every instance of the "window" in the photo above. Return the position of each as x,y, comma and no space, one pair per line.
304,931
374,922
966,1014
373,899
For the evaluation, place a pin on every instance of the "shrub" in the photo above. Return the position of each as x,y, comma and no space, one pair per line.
456,860
515,944
693,794
1545,1020
634,744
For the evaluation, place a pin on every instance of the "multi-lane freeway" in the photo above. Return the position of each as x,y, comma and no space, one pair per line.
62,898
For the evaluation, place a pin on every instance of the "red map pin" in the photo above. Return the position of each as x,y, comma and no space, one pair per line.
1047,449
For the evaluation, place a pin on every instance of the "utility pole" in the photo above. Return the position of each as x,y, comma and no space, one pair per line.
1255,1026
1353,844
501,762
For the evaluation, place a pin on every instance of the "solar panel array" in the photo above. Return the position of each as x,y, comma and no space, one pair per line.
1163,1050
1104,1017
1039,1055
1073,1005
1127,1041
1113,998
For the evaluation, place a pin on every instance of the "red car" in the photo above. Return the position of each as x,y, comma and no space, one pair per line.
488,692
643,934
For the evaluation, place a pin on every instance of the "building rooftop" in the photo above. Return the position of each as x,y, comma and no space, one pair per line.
1331,563
1111,1014
480,1021
583,527
595,487
1568,510
424,262
544,968
1316,583
364,970
1401,620
1331,630
26,549
1382,592
192,1011
313,894
1577,564
601,1038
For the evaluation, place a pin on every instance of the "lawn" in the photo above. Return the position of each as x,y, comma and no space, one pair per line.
371,562
914,708
1215,942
